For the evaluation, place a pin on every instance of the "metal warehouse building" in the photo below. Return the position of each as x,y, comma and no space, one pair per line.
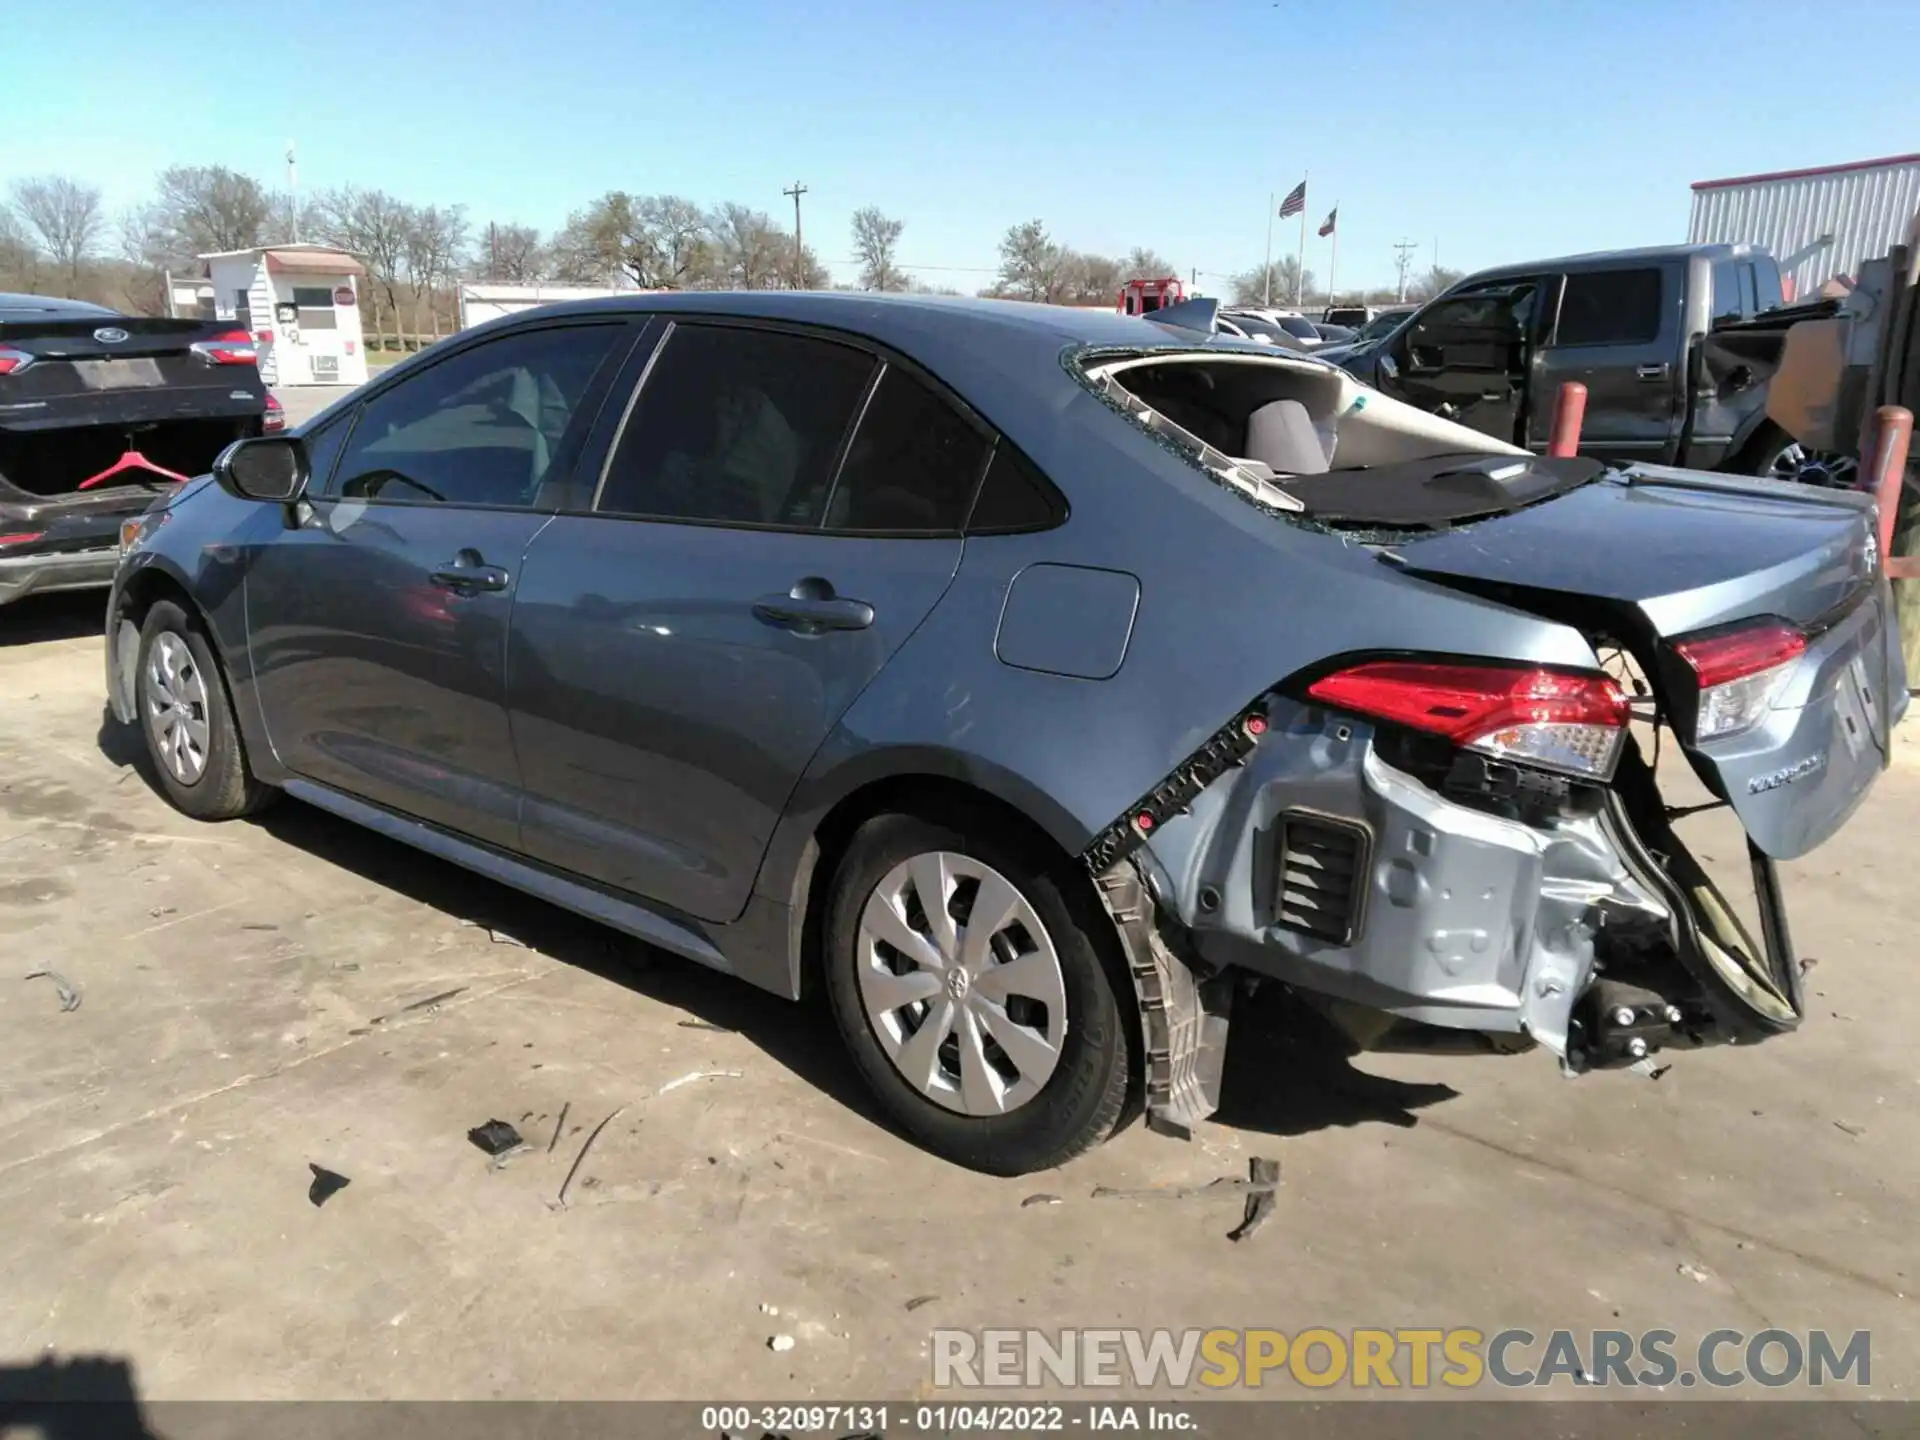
1820,222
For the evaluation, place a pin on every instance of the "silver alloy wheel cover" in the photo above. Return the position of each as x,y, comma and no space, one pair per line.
959,984
1794,461
175,700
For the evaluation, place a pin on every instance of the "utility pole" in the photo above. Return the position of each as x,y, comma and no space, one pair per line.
493,251
799,249
293,194
1403,257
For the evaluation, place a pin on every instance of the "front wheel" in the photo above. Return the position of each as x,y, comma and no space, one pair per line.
1778,456
186,716
968,984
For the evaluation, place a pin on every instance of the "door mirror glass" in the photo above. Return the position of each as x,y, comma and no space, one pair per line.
272,467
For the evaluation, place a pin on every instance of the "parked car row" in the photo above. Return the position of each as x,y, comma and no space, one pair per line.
859,644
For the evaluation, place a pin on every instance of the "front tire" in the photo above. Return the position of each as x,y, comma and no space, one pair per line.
968,982
186,716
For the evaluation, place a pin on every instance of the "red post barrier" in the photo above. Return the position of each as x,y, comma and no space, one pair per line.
1887,473
1569,413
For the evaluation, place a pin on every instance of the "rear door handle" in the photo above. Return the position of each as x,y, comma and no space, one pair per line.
469,571
1651,372
811,606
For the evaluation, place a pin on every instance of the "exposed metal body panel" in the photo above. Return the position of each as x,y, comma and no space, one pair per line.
1820,222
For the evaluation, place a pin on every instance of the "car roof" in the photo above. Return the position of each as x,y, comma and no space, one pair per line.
1608,259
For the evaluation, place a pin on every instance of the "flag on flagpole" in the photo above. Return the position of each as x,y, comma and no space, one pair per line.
1295,202
1333,217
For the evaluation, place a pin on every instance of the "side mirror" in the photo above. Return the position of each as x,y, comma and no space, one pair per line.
269,467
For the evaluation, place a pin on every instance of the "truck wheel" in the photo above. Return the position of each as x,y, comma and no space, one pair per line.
187,718
971,993
1778,456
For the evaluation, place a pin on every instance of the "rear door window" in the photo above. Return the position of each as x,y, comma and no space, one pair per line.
738,426
484,427
1611,307
1727,302
914,464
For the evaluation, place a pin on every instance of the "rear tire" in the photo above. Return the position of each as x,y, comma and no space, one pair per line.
1776,455
186,718
1022,1060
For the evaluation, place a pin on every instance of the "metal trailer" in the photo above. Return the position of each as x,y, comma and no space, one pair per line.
1821,222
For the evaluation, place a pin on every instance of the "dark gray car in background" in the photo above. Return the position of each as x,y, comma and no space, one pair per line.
1025,679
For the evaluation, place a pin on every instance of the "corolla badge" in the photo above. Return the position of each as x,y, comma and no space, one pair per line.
109,334
1760,784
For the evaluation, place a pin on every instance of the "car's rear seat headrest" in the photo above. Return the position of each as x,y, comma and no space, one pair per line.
1280,434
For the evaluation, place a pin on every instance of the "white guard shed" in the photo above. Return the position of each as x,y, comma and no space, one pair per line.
301,303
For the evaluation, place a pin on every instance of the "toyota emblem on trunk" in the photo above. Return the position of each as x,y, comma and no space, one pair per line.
109,335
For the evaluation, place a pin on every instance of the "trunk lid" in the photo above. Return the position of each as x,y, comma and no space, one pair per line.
1649,556
145,371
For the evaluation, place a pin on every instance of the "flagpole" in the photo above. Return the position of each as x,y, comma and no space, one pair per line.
1333,261
1300,263
1266,283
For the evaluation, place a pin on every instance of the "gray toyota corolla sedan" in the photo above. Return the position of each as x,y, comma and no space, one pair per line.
1026,680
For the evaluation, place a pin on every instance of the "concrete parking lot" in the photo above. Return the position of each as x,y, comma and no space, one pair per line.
264,997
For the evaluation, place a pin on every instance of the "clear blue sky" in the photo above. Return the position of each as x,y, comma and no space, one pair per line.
1503,130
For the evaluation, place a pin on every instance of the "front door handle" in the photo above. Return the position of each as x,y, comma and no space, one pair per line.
469,571
1650,372
811,606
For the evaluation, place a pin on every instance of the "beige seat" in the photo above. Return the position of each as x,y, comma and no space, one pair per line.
1280,435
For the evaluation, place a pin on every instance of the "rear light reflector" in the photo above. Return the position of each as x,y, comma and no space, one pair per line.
21,537
235,347
12,362
275,419
1740,673
1569,723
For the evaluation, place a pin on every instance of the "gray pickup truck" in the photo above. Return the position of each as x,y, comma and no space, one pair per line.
1674,345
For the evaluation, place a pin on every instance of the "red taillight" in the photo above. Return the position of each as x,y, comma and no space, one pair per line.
13,361
1740,673
275,420
1530,716
21,537
234,347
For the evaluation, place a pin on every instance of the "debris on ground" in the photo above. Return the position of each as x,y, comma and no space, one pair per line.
1693,1273
1039,1200
496,1137
559,1125
416,1007
705,1025
766,1309
560,1202
1854,1130
688,1079
780,1343
69,992
326,1184
1263,1176
501,937
917,1301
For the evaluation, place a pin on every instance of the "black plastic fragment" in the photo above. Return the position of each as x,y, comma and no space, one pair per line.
1265,1175
496,1137
326,1184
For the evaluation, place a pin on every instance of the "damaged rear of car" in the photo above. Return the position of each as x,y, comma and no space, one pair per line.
1443,849
99,413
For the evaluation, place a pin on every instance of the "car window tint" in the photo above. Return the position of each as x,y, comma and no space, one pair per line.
482,427
737,426
912,466
1014,497
1726,290
1611,307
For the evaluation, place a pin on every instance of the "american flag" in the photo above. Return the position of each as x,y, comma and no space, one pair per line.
1333,219
1295,202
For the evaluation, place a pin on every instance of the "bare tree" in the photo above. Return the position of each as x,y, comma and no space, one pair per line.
1437,279
374,226
1252,287
1032,266
510,254
292,218
19,262
66,218
1146,263
205,209
753,252
875,238
435,245
1090,279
